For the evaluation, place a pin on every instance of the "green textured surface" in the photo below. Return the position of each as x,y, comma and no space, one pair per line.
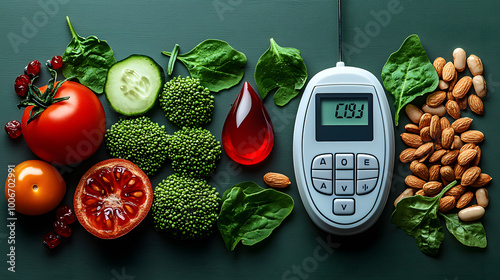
297,249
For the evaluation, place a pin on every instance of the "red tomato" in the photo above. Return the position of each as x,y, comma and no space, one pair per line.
34,187
69,131
112,198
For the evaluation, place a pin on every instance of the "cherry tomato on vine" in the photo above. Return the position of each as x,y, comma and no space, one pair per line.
35,187
69,131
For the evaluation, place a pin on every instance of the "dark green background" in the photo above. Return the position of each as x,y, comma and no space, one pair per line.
373,30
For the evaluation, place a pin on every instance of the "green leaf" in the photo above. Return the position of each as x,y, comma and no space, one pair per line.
281,68
417,216
250,213
408,73
470,234
215,63
87,59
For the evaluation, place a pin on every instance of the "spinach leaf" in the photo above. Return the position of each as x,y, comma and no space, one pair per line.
408,73
470,234
215,63
249,213
281,68
417,216
87,59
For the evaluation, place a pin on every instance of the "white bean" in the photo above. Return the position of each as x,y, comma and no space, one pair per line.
479,85
482,197
413,112
443,85
406,193
439,110
471,213
475,65
459,57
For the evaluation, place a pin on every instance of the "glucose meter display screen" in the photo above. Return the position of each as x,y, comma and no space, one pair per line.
344,112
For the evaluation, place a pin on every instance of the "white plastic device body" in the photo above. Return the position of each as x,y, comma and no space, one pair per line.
346,207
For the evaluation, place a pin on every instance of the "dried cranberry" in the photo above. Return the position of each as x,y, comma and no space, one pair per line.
62,229
51,240
66,215
33,68
13,128
56,62
21,85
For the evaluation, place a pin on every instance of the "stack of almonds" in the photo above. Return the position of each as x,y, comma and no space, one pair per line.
439,151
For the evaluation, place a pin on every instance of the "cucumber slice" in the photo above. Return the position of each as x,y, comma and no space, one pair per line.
133,84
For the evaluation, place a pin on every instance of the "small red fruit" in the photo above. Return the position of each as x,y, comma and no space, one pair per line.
13,128
62,229
66,215
51,240
21,85
56,62
33,68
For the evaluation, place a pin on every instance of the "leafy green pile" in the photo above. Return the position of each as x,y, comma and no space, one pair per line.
408,73
250,213
418,217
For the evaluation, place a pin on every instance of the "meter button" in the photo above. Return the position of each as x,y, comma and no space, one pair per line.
367,174
344,174
343,206
323,186
365,186
322,174
367,162
324,161
344,161
344,187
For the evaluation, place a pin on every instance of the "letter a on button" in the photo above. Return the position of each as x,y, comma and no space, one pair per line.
323,186
322,162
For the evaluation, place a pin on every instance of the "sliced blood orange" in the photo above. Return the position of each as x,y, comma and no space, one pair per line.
112,198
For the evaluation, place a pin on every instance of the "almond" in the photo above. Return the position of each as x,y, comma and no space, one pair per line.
462,87
447,137
434,172
446,203
468,146
412,140
420,170
462,103
413,181
451,86
407,155
456,191
465,199
426,156
481,181
439,64
425,120
450,157
437,155
435,127
432,187
276,180
447,173
476,104
436,98
470,175
459,170
457,143
472,136
412,128
462,124
424,150
445,123
413,113
420,192
425,134
406,193
467,156
453,109
478,156
449,72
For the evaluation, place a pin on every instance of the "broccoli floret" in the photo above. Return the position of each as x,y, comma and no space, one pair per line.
186,102
187,208
194,152
139,140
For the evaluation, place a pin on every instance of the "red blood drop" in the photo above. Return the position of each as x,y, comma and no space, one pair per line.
33,67
66,215
56,62
21,85
13,128
248,134
62,229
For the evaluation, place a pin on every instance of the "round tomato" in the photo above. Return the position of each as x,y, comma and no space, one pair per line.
68,131
34,187
112,198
